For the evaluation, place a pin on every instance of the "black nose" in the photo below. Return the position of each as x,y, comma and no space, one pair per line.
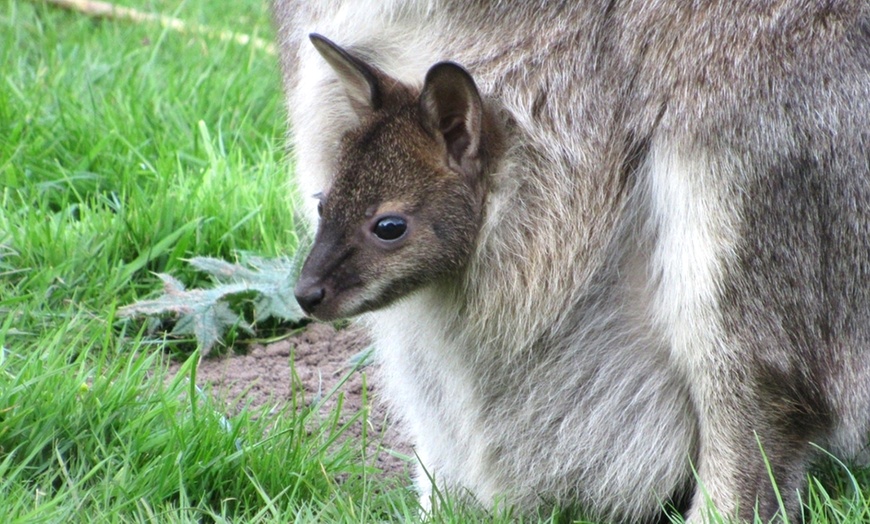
309,297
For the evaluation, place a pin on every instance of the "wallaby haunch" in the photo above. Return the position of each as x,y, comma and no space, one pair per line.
620,256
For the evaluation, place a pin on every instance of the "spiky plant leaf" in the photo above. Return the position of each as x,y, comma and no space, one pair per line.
208,314
272,280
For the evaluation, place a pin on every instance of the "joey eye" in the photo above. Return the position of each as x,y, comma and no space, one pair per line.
390,228
319,197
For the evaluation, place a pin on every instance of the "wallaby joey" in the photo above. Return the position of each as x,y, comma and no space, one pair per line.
618,259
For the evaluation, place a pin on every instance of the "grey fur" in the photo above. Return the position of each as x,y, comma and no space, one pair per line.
669,259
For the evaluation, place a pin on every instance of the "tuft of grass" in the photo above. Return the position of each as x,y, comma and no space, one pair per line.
93,432
126,147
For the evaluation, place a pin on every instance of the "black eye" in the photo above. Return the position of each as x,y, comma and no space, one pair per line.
390,228
319,197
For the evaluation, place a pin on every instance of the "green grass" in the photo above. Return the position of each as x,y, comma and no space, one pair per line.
131,151
124,149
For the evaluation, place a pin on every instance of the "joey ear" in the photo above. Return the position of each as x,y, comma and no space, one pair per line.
359,79
451,108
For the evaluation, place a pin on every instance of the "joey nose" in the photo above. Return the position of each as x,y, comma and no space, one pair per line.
309,296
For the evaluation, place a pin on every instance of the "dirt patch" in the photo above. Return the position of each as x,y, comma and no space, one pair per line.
322,357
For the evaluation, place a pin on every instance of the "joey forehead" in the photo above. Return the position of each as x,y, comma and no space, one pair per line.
383,169
355,201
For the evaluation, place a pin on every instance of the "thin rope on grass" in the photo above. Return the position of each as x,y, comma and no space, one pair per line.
97,9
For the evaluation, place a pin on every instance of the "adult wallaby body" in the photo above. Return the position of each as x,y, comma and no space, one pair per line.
623,258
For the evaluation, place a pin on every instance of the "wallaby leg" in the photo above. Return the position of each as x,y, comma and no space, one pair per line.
749,462
745,379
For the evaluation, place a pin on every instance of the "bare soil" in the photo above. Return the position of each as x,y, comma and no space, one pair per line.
322,356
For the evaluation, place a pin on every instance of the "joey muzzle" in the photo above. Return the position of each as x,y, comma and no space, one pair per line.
309,292
319,289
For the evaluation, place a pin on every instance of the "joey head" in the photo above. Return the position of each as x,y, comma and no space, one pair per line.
406,203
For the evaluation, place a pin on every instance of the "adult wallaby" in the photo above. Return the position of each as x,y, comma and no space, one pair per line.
623,258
